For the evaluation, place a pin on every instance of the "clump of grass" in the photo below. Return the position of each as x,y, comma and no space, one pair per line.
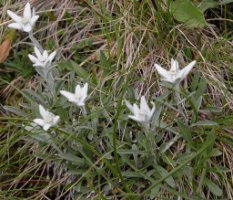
113,46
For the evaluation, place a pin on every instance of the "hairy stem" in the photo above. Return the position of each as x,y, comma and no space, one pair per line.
151,142
83,110
35,42
180,105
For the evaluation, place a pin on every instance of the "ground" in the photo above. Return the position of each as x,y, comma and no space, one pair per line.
113,46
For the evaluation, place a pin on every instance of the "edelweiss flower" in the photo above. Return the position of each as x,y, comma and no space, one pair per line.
25,23
42,59
79,96
142,114
174,75
48,118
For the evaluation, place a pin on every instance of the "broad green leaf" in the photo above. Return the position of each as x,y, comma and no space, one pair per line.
163,172
184,11
79,70
199,85
207,4
214,188
135,153
72,158
42,137
105,63
198,88
185,132
35,96
14,110
165,146
154,192
216,152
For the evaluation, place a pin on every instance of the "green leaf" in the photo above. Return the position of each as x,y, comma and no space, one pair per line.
216,152
214,188
42,137
130,174
14,110
163,172
105,63
72,158
209,142
205,123
154,192
79,70
184,11
165,146
185,132
207,4
135,153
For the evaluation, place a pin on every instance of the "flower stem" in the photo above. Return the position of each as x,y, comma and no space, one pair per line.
177,97
180,106
151,142
83,110
46,72
50,80
35,42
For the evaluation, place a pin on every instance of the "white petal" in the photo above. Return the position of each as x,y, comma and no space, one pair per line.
15,17
77,90
46,127
34,19
52,56
136,109
82,97
32,58
15,26
70,96
135,118
85,88
82,100
38,53
162,72
143,105
56,119
40,122
45,54
27,11
174,65
27,28
43,112
129,106
184,72
33,12
38,64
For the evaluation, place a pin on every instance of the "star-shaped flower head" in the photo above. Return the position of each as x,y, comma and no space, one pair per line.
48,119
143,113
174,75
79,97
25,23
42,59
